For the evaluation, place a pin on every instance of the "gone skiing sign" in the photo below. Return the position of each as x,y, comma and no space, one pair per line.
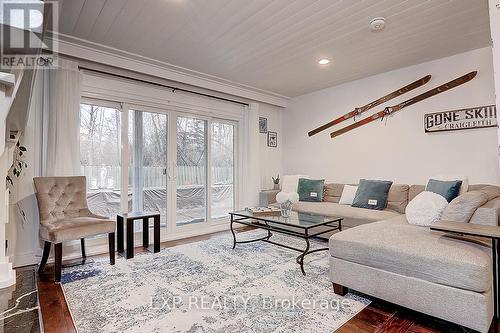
478,117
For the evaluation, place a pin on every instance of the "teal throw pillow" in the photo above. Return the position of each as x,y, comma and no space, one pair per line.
372,194
448,189
311,190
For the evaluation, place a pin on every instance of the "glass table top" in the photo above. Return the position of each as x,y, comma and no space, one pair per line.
296,219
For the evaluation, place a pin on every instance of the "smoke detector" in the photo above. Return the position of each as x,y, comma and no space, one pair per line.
377,24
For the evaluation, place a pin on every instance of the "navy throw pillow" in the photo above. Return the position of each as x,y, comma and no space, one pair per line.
372,194
448,189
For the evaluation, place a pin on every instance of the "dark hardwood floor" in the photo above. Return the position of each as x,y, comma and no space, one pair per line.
378,317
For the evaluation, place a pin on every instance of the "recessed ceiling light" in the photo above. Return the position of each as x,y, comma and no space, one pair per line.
323,61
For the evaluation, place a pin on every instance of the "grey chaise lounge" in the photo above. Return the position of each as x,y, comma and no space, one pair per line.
430,272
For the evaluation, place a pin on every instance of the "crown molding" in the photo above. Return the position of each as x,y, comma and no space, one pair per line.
83,49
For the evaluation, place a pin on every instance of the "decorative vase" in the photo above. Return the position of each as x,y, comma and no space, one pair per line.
286,208
276,186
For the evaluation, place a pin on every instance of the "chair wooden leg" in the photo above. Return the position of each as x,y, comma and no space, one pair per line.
58,262
82,243
339,289
111,242
45,256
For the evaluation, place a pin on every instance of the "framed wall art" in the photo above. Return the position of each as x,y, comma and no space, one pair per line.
272,139
262,125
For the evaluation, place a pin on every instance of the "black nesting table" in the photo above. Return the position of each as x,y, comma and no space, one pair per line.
301,225
130,218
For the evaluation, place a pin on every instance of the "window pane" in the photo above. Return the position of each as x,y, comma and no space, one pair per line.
191,170
148,133
100,157
222,159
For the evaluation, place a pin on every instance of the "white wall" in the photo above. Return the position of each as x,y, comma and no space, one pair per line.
270,158
398,150
494,6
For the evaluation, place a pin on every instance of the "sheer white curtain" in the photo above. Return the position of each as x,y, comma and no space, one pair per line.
250,182
62,120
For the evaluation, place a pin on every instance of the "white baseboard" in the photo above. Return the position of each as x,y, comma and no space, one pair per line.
100,245
25,259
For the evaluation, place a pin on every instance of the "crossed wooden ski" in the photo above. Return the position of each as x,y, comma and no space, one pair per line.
391,109
358,111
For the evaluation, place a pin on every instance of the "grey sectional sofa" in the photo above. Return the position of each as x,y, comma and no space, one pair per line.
382,255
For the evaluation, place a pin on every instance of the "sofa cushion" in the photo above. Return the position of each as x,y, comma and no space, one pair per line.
426,208
487,214
333,192
414,191
464,206
401,248
348,195
75,228
464,180
398,198
448,189
311,189
338,210
491,191
291,183
372,194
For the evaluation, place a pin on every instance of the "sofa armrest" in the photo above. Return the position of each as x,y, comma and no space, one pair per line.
267,197
487,214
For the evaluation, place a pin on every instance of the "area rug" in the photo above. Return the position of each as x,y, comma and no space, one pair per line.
209,287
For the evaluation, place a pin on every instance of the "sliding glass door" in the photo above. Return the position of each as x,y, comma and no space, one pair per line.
191,170
179,164
149,161
222,169
100,129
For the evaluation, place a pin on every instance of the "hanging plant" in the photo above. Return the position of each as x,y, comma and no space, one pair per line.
18,165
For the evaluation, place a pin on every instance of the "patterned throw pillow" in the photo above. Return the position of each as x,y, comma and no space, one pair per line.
311,190
372,194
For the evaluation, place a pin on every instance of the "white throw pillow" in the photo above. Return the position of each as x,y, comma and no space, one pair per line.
426,208
291,183
348,194
465,181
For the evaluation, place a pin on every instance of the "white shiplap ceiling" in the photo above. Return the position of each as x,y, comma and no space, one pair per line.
275,44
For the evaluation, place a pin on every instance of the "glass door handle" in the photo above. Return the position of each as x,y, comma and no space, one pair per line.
167,172
171,175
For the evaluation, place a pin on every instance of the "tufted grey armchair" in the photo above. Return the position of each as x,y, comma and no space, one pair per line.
64,215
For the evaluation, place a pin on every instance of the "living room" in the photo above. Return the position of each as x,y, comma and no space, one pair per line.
249,166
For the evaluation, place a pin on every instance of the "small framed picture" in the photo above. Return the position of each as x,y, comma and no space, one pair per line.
272,139
262,125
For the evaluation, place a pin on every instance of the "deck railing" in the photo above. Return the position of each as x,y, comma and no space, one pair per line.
108,176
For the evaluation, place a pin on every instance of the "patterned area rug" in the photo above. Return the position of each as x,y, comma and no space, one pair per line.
208,287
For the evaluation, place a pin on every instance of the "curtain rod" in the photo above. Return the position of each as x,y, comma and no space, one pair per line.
163,85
